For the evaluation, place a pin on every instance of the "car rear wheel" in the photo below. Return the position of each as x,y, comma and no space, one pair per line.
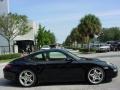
95,75
27,78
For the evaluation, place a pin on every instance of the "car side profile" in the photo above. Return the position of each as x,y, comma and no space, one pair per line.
58,65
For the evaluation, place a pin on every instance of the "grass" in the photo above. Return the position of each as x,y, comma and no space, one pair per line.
7,60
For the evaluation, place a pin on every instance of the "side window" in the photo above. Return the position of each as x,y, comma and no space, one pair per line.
57,56
40,57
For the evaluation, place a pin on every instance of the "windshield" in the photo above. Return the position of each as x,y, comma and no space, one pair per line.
73,55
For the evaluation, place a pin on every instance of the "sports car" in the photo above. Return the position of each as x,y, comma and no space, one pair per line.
58,65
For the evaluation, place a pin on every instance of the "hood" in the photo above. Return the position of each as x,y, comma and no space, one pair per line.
93,60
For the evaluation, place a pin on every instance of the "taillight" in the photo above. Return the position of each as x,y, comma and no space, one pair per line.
8,66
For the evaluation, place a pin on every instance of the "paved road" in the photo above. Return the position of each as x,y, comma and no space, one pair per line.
114,85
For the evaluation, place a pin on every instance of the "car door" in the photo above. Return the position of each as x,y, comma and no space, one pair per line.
40,60
58,68
48,65
53,64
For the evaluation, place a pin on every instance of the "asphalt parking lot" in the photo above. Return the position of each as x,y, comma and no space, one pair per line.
113,85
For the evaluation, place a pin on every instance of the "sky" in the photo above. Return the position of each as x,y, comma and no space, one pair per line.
61,16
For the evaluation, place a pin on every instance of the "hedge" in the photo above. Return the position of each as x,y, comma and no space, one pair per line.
86,50
9,56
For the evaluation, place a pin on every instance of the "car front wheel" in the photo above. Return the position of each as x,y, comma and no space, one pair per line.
95,75
27,78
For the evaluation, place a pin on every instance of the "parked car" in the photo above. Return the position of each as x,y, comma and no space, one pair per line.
114,45
102,47
45,47
58,65
105,48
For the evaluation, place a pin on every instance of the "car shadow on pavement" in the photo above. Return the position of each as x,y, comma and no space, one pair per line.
7,83
68,83
62,83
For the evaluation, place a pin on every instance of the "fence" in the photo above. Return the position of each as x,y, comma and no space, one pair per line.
5,50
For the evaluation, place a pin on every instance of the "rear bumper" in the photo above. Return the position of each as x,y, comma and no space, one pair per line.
9,75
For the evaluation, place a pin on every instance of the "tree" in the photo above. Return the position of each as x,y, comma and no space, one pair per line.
40,36
76,37
110,34
89,26
52,38
68,41
45,37
12,25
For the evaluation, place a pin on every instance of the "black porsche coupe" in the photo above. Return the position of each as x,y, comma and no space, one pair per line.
58,65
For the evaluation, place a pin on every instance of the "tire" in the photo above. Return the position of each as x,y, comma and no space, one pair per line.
27,78
95,75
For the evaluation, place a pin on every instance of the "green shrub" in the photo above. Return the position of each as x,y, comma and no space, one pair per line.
9,56
75,48
87,50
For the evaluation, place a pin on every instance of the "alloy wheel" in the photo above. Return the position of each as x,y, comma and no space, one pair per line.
96,75
27,78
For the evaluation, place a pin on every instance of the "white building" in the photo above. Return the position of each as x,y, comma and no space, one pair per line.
20,42
4,7
26,41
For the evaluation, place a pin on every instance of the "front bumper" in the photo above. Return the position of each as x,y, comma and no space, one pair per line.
115,70
112,71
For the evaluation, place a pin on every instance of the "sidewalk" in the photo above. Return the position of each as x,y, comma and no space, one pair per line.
2,64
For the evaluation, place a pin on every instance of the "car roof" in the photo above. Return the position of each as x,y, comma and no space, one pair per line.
52,49
47,50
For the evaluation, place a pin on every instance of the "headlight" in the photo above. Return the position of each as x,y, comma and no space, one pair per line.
114,66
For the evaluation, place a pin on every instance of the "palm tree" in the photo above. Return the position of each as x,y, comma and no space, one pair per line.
75,36
89,26
68,41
